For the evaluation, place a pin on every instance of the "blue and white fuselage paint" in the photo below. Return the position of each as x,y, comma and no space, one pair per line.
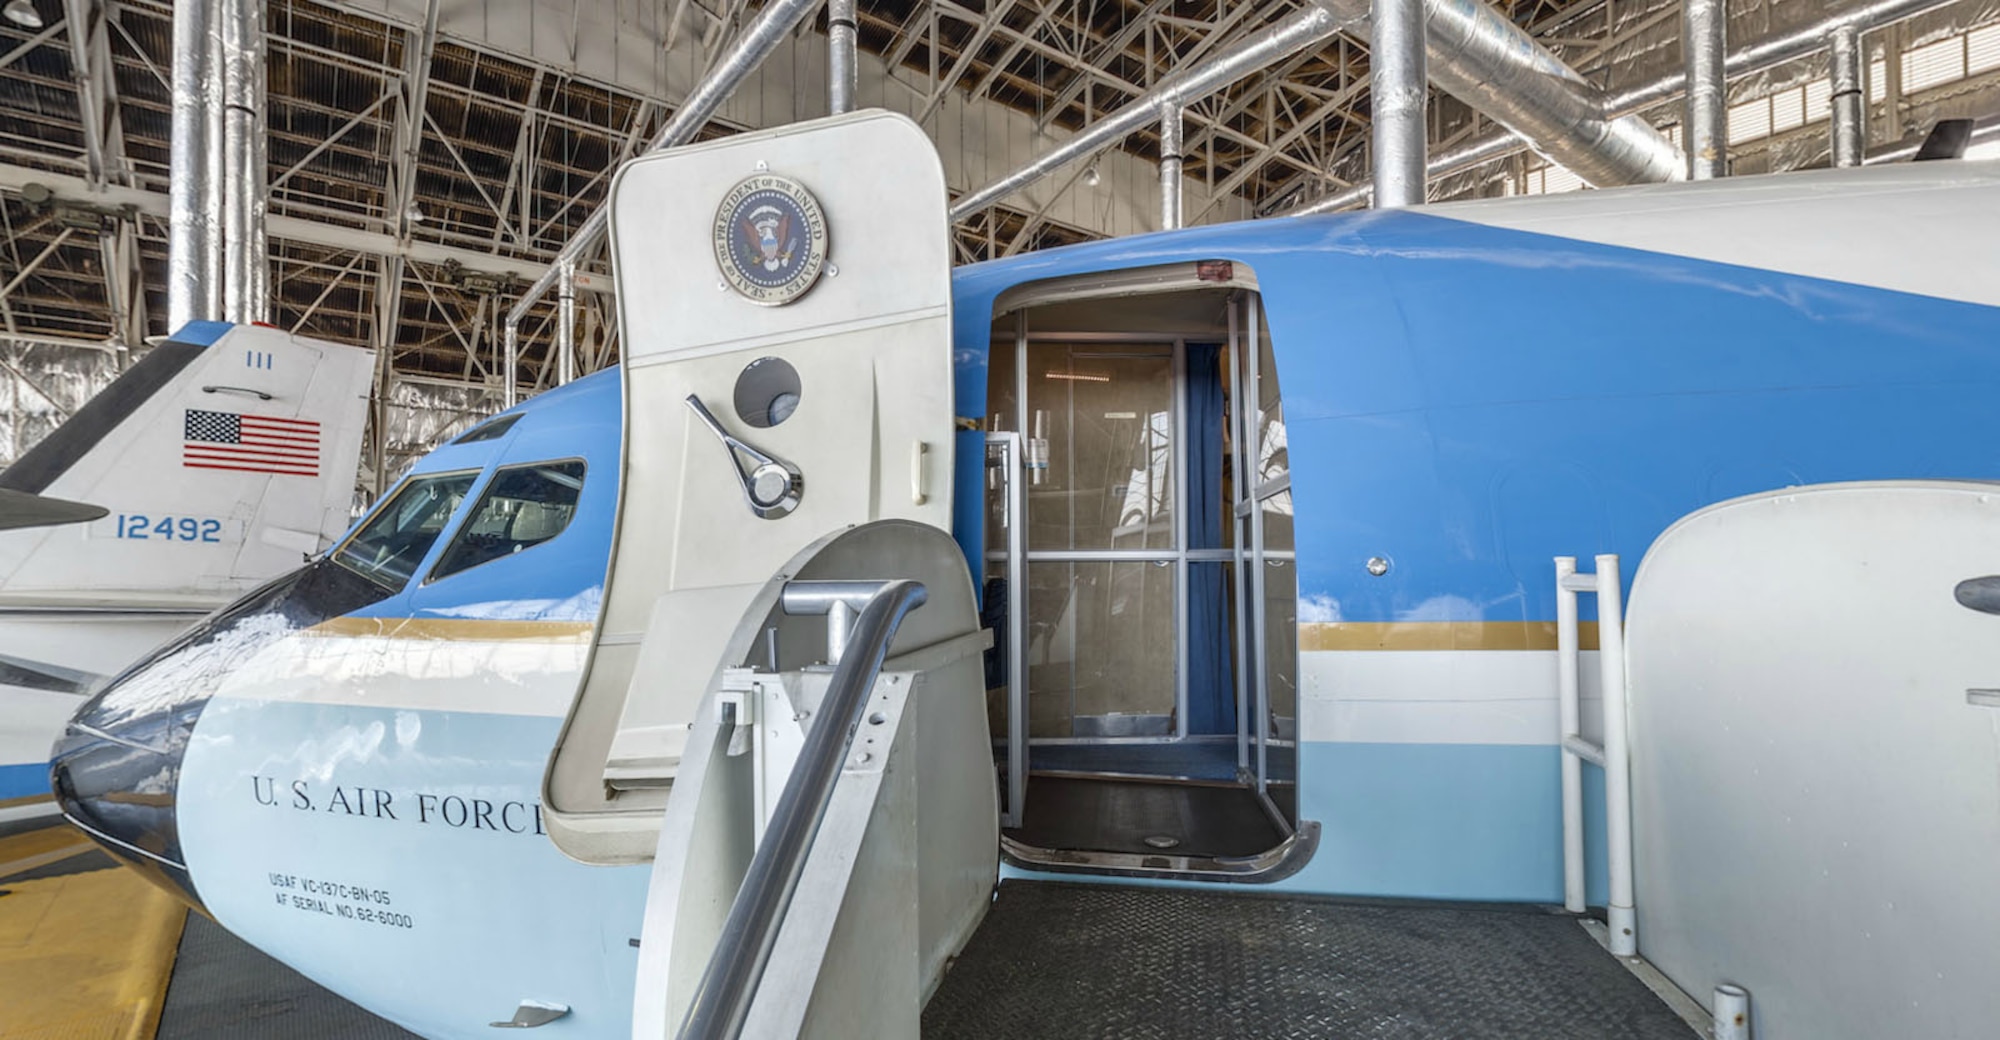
346,774
346,771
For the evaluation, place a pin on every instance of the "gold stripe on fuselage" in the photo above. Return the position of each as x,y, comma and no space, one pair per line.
1438,635
1315,635
455,630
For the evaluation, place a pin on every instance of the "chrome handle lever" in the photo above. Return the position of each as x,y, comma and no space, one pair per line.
533,1014
771,485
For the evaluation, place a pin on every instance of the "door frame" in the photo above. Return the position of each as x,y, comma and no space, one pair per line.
1246,499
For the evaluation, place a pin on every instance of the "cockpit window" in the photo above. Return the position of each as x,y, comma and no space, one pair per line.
490,430
389,546
523,507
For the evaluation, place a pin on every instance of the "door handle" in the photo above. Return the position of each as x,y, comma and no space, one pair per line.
533,1014
771,485
1980,594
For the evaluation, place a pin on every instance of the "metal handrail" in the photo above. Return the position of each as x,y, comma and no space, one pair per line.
722,1000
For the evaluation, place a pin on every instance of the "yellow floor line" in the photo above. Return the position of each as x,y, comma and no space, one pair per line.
85,956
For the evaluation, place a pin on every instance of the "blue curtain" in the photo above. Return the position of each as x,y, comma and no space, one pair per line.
1211,690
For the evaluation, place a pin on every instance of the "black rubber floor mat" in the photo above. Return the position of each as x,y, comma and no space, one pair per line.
225,989
1107,962
1120,815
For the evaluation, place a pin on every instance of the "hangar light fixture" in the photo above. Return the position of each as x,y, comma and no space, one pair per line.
22,13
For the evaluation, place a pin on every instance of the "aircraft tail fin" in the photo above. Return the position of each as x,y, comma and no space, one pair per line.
215,462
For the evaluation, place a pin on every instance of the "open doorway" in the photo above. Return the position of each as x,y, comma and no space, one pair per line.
1140,574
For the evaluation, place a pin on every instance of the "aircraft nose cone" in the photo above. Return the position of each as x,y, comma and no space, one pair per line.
116,771
117,768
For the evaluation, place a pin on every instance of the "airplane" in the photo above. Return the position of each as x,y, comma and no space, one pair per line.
219,460
1259,517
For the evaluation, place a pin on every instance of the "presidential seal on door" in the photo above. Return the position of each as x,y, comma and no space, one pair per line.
770,239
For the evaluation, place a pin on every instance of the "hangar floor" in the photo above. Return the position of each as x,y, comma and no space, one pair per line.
89,950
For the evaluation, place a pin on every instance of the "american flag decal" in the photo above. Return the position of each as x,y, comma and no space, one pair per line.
251,443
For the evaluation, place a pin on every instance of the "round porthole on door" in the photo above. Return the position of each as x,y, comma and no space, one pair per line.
767,392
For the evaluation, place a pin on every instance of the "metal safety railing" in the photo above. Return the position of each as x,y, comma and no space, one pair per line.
1612,755
856,647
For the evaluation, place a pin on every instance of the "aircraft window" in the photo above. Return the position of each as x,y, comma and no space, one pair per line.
523,507
388,548
767,392
490,430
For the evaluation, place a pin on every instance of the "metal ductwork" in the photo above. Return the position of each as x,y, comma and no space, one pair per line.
773,24
1400,95
1253,52
217,257
840,67
1704,52
1488,62
1758,57
194,227
1170,165
565,323
1849,104
246,272
1771,53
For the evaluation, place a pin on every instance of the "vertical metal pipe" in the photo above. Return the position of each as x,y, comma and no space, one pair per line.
566,322
192,229
1707,124
1170,165
840,29
839,626
1732,1013
215,176
1398,82
1620,916
510,364
1850,129
243,253
1260,622
258,157
86,27
1569,711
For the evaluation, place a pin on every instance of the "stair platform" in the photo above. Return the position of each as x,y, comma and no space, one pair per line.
1112,962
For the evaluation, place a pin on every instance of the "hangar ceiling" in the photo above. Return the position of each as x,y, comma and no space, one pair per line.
520,109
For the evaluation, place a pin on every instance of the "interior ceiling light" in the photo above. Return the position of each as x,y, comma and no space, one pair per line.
415,214
1090,176
1079,377
22,13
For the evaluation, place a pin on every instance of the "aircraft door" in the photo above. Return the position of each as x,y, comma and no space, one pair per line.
1139,574
785,309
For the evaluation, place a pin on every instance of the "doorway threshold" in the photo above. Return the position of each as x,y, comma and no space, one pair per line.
1153,828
